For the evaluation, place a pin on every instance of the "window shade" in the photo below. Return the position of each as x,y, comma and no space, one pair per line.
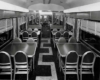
84,25
91,27
98,28
9,24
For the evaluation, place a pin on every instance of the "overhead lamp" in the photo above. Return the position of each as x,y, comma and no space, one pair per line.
45,13
12,7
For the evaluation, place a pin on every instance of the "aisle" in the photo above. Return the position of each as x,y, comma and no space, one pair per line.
47,66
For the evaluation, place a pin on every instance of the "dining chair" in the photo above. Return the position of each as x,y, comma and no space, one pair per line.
5,64
36,29
87,63
61,40
21,64
66,35
29,30
70,66
17,40
34,36
54,29
56,37
25,35
30,40
61,29
72,40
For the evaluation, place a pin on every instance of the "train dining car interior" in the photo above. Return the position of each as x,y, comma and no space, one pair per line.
49,39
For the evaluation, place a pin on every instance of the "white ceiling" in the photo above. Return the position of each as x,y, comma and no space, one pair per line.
64,3
41,6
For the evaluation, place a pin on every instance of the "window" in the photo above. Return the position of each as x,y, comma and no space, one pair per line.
69,27
92,40
23,27
5,37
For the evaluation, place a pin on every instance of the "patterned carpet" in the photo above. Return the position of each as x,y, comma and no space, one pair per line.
47,62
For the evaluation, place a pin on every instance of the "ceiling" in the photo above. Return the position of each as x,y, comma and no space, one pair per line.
66,4
45,7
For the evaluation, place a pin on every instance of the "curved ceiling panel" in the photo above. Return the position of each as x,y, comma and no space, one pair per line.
52,4
40,6
55,7
76,3
22,3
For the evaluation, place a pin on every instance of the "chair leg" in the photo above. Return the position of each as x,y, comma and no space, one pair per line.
60,66
81,76
33,61
14,76
77,77
64,76
59,61
93,72
93,75
27,76
11,76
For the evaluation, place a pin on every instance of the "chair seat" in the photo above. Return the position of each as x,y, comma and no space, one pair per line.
71,72
71,66
36,39
5,67
21,72
25,38
69,69
86,67
22,69
84,72
1,73
56,40
21,66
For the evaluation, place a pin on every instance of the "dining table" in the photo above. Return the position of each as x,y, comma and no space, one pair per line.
37,32
64,48
28,48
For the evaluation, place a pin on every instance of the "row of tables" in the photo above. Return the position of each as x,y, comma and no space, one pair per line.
64,48
38,32
29,49
54,32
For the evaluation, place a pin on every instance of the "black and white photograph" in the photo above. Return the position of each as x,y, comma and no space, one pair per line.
49,39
